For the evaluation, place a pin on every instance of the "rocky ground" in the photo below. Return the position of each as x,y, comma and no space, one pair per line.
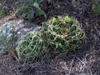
86,61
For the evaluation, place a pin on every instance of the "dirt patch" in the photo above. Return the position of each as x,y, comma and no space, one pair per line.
84,62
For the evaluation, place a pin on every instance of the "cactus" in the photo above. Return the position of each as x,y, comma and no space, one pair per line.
63,36
31,47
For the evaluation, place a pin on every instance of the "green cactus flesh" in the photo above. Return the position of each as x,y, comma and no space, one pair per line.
31,47
63,36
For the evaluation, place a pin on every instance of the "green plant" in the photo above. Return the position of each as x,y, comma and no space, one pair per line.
96,6
2,10
31,47
30,7
64,36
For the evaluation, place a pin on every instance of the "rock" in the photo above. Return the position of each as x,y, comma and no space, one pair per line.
20,28
2,52
5,36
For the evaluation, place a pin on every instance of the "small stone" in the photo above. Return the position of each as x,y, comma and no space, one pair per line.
74,13
3,52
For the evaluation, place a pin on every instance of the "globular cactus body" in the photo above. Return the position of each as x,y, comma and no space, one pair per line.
31,47
63,36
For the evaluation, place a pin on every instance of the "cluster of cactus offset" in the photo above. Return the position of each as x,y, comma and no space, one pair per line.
62,34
